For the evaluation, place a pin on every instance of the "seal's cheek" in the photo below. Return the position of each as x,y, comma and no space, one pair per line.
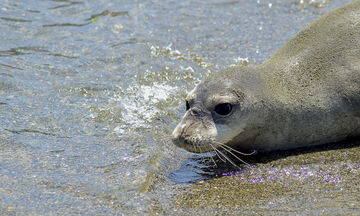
226,132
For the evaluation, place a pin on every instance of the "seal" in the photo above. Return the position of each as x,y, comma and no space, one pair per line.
307,93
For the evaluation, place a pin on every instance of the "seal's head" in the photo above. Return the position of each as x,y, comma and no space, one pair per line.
218,113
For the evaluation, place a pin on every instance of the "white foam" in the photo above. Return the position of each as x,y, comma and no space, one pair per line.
138,105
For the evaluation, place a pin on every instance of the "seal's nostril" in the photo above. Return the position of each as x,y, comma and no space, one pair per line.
194,112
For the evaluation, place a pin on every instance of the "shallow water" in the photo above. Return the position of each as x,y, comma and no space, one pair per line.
91,90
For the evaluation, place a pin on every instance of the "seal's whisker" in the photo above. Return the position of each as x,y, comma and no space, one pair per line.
216,152
234,150
212,159
233,154
223,155
228,159
201,154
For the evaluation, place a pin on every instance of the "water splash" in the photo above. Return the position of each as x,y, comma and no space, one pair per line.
139,104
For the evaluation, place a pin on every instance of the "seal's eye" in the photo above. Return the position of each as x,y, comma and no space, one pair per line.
187,105
223,109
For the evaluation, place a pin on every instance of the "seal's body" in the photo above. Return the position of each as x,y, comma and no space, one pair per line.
308,93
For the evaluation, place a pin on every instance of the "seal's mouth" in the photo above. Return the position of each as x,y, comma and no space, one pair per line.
194,144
